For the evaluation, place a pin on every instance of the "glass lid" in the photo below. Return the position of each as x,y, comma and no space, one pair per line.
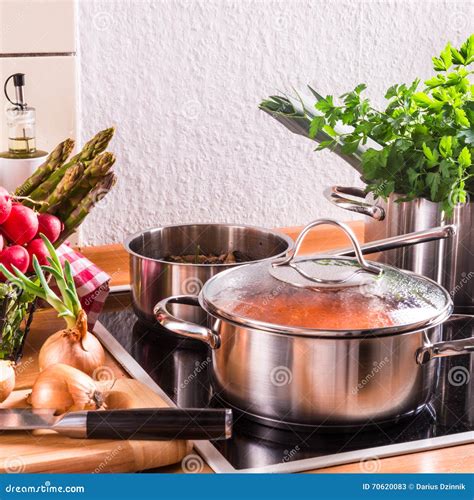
326,295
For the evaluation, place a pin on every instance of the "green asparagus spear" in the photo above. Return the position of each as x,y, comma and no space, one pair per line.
93,173
90,150
64,187
86,205
94,146
55,159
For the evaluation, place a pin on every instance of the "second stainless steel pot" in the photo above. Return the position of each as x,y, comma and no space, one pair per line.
322,377
154,278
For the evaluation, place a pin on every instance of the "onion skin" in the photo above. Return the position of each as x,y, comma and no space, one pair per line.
75,347
7,379
64,388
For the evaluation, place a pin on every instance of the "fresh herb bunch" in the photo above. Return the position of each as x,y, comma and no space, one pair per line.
297,114
15,304
426,137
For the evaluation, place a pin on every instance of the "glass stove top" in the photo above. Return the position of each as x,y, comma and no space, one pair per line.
181,368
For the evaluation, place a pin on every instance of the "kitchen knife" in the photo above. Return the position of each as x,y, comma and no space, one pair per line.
162,424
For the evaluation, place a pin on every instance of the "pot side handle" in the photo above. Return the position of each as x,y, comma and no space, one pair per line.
184,328
334,195
447,348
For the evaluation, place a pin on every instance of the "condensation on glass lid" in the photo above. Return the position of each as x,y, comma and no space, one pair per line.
396,299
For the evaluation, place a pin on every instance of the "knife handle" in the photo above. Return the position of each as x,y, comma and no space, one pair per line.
160,424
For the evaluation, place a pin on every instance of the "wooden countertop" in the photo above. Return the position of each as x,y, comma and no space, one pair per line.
114,260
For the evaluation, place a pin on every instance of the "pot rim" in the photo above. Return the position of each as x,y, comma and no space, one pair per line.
284,237
442,316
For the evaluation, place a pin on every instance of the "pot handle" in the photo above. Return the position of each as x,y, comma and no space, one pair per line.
447,348
334,195
184,328
290,260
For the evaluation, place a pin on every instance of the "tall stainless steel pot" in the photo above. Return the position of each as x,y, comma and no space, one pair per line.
449,262
317,377
153,278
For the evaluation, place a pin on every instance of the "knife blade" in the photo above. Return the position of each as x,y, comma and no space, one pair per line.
162,424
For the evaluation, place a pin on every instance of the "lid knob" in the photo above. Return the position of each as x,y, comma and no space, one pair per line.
332,272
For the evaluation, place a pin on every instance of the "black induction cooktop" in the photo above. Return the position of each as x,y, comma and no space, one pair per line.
181,369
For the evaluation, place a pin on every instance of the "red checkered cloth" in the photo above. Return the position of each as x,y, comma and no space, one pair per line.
92,283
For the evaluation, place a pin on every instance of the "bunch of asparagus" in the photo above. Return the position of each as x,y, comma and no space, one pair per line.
70,189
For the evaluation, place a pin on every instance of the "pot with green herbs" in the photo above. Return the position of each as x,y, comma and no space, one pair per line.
415,157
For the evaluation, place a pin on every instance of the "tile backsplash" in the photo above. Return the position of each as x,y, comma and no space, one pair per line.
37,26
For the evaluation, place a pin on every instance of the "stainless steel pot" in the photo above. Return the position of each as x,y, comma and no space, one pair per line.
153,278
450,263
315,377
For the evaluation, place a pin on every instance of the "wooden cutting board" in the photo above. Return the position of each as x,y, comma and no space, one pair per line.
46,451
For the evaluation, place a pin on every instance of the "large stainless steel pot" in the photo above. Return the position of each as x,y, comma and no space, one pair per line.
320,377
450,262
153,278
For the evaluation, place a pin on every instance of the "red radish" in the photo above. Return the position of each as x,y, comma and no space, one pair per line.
50,226
5,204
15,256
22,225
38,248
2,242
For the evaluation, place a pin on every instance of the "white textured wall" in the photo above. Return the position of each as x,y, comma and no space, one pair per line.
181,80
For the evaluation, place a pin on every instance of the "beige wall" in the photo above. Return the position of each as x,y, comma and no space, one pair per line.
37,37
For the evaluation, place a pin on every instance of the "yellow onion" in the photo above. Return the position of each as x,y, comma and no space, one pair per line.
64,388
7,379
73,346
